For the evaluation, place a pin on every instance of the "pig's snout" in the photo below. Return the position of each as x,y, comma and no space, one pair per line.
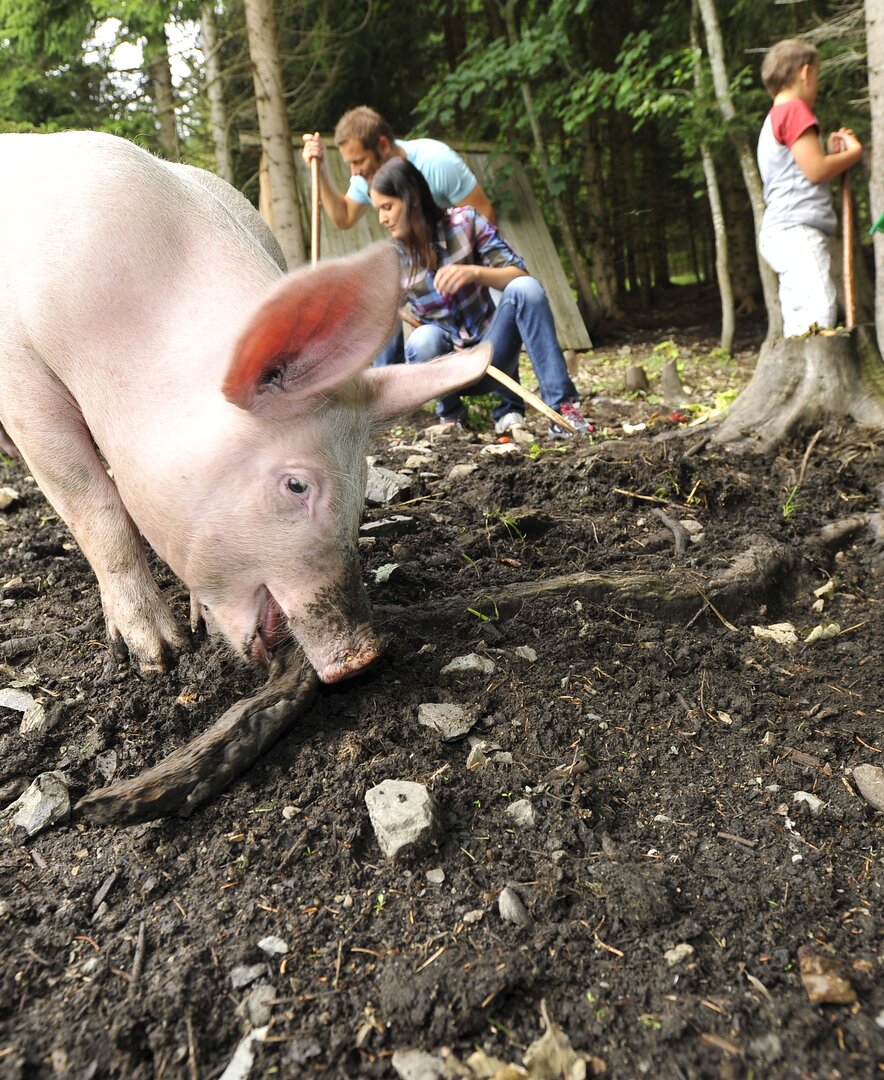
351,663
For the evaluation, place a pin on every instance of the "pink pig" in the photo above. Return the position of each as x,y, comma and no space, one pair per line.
145,320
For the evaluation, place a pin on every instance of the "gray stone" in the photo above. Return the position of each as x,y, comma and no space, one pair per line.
259,1005
677,953
511,908
526,653
417,1065
450,721
273,946
470,662
403,816
461,472
8,497
869,780
522,813
436,876
245,974
391,526
385,486
45,802
17,700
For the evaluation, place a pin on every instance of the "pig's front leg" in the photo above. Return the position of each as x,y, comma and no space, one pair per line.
63,460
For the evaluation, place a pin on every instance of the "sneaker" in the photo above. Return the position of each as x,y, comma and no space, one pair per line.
507,421
568,411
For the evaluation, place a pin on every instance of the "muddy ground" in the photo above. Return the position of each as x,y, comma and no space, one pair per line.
658,741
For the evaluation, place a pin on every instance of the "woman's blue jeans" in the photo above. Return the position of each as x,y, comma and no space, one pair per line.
523,316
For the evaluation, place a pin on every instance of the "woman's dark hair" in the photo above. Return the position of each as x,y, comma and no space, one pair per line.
399,178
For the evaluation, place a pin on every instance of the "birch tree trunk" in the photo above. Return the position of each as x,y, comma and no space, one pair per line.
588,303
722,265
215,93
160,72
276,139
748,167
875,53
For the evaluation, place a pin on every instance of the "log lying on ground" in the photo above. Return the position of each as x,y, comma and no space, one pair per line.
207,765
801,381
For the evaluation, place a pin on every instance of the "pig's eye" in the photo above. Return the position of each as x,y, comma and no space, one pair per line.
297,485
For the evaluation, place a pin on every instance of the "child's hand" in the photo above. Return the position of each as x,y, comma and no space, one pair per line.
843,139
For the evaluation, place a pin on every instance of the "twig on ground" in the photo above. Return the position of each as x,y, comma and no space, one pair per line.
806,458
138,962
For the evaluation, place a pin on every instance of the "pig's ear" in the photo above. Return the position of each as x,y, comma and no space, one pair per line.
401,388
318,328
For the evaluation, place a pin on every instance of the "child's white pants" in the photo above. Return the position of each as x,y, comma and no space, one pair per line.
802,259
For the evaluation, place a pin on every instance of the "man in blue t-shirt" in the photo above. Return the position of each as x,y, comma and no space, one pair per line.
366,141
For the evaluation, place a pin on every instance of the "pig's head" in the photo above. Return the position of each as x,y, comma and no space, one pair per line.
277,555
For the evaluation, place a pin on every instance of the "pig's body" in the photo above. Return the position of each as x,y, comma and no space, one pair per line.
130,295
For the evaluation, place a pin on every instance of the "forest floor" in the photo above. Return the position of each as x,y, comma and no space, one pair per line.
668,796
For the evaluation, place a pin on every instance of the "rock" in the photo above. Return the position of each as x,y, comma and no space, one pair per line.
522,436
244,1056
677,953
403,815
525,652
477,758
501,448
394,526
417,1065
416,461
823,980
385,486
452,722
258,1005
273,946
244,974
436,876
45,802
512,909
8,497
385,572
869,780
461,472
782,633
813,804
469,662
474,916
17,700
38,720
522,813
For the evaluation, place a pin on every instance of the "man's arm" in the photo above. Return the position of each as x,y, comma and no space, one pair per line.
819,167
480,201
343,211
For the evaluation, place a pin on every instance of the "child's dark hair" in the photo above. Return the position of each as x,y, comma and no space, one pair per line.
784,61
398,177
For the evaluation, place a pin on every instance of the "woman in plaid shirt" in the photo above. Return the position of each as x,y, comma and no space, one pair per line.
451,259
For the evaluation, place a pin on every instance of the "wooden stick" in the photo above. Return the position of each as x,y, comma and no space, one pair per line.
847,246
532,399
314,211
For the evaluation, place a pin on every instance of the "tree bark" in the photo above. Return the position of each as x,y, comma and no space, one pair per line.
748,167
160,72
215,93
603,271
875,53
722,265
276,139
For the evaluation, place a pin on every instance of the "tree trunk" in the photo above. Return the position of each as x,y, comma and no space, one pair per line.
215,93
799,381
875,51
157,59
722,265
588,303
748,167
603,271
276,139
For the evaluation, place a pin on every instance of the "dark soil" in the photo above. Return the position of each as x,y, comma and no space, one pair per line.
660,748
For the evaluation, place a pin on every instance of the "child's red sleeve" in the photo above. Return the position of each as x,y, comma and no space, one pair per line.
790,121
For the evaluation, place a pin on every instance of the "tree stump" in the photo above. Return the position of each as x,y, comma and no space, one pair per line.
801,381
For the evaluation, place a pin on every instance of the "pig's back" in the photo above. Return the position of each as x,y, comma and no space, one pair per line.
116,265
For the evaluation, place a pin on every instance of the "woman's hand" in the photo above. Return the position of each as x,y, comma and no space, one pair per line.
454,276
